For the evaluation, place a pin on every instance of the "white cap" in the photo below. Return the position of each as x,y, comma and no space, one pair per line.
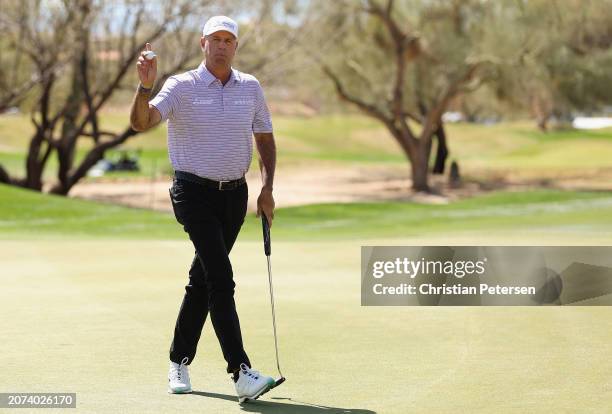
218,23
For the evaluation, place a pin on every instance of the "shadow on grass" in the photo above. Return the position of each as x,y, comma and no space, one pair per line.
298,407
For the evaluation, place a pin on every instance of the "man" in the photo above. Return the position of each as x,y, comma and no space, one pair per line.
212,113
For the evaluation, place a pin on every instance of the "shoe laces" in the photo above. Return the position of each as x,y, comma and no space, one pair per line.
180,371
249,372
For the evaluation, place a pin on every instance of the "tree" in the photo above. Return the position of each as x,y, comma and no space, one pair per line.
72,56
403,64
562,54
80,52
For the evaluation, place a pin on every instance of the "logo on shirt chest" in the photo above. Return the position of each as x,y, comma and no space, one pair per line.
242,102
202,101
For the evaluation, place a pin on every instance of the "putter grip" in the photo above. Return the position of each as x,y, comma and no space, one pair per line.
266,235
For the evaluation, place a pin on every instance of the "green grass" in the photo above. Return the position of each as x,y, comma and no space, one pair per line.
27,214
604,134
102,313
526,212
575,215
95,269
15,132
97,287
350,139
522,148
14,162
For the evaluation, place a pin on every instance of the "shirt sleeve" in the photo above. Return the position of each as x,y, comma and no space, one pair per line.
262,121
167,100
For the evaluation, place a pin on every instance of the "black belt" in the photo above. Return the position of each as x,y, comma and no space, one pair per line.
218,185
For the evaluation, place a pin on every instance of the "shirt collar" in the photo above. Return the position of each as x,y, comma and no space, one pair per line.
209,78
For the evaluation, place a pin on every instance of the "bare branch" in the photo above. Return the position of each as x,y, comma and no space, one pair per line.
396,33
99,133
92,157
389,7
100,97
401,41
341,90
432,120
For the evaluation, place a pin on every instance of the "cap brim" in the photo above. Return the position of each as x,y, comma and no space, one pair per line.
219,29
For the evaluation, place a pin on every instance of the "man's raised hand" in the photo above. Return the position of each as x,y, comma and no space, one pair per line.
147,67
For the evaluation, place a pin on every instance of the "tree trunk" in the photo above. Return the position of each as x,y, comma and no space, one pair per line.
541,111
35,164
92,157
34,167
417,152
420,169
543,123
70,134
442,151
417,155
4,176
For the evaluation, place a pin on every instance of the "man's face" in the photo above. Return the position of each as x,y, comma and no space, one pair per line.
219,48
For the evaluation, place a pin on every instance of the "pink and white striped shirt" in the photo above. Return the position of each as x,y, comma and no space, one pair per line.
211,125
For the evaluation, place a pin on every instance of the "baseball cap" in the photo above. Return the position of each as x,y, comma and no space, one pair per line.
218,23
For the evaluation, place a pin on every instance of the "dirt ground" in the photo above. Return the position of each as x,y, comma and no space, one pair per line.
332,184
296,187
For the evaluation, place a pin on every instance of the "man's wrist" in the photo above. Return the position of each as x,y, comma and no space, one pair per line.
145,88
266,189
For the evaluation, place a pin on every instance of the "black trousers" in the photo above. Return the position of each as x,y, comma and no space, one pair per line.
212,219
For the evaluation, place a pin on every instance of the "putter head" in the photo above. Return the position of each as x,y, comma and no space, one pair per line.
279,381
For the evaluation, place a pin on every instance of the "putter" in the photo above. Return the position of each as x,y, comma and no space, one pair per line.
268,251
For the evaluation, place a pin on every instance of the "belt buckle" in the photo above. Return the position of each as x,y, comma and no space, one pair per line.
221,184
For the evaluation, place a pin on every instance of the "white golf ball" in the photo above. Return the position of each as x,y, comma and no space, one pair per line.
149,55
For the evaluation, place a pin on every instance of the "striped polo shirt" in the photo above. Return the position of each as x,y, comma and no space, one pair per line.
211,125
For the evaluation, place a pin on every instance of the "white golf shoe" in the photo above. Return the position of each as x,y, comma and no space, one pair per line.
178,378
251,384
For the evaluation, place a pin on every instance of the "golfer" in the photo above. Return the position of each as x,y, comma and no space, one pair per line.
212,112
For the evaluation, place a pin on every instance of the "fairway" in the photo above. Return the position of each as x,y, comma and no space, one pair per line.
96,318
91,292
530,217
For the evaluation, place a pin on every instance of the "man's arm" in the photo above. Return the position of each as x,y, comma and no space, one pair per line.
266,148
142,115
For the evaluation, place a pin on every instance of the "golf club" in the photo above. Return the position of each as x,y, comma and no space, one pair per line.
268,251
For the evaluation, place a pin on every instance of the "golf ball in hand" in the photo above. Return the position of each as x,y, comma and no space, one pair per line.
149,54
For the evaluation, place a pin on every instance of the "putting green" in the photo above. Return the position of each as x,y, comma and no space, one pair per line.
96,318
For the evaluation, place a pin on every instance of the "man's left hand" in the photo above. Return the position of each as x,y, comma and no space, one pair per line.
265,205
